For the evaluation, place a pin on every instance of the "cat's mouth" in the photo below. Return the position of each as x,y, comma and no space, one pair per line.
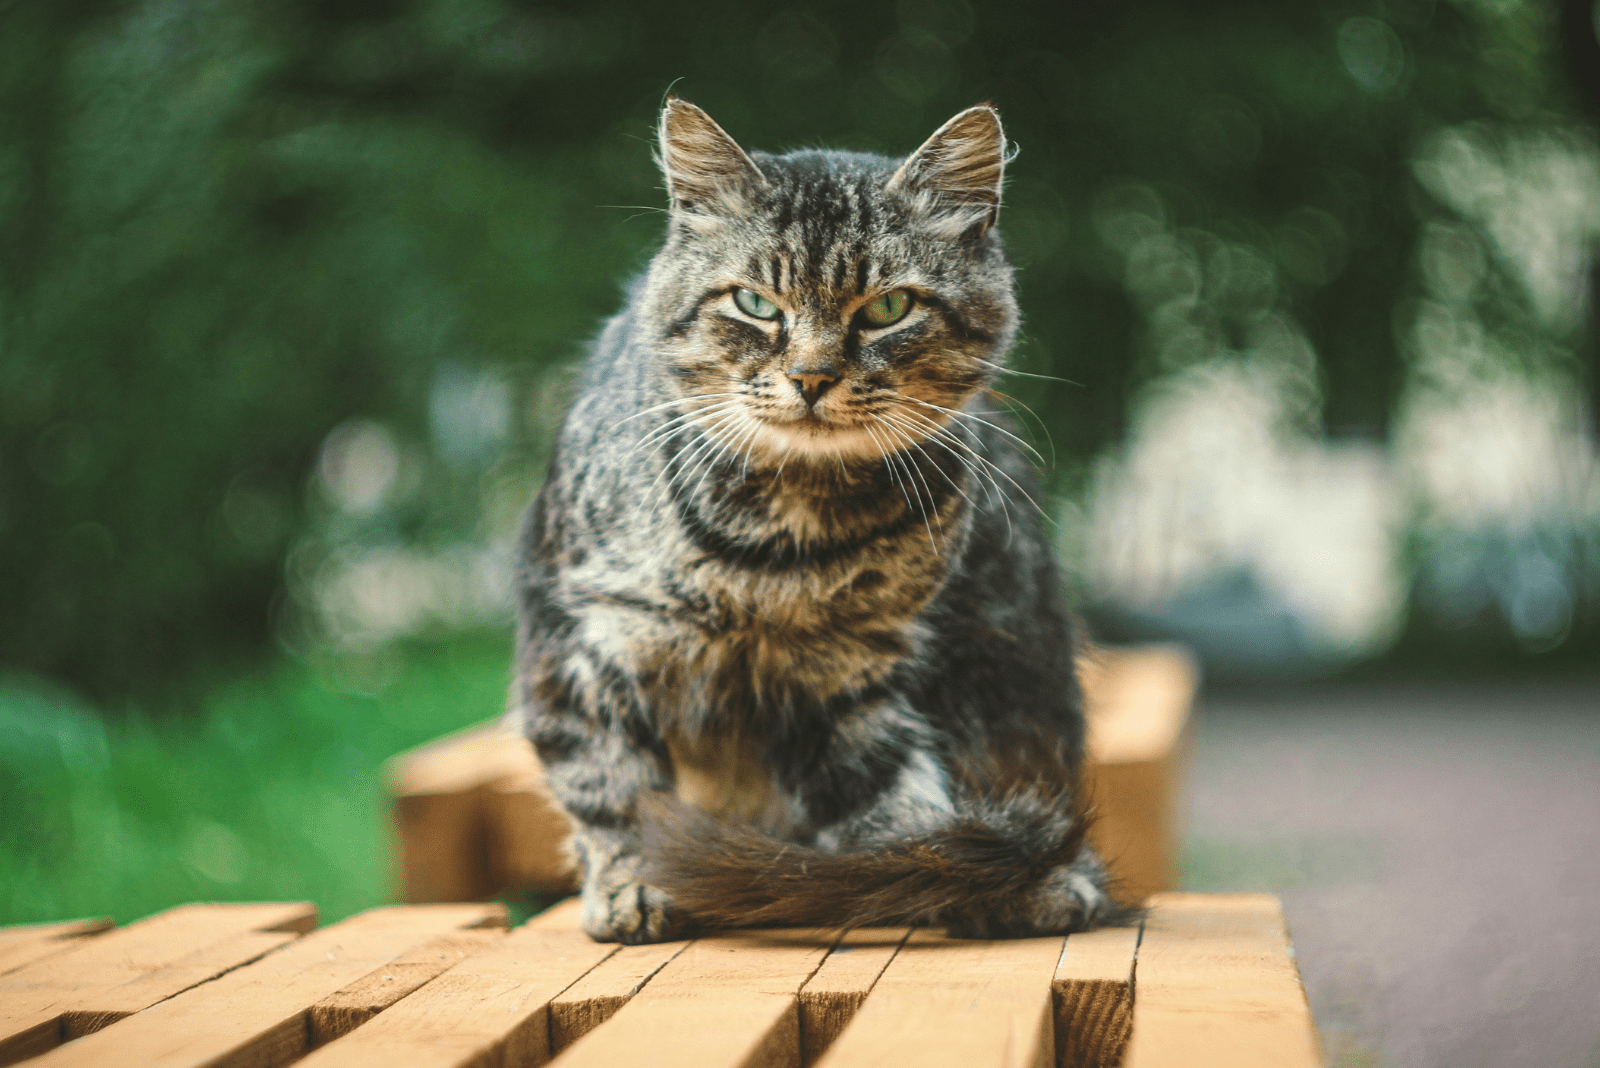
827,435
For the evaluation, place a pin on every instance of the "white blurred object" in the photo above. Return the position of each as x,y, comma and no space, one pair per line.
469,414
1226,519
1216,480
359,465
368,597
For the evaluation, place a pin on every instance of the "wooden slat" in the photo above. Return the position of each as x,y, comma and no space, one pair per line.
491,1009
26,943
259,1016
528,832
1094,997
831,997
949,1003
727,1001
1217,986
441,814
112,975
343,1012
595,998
1138,710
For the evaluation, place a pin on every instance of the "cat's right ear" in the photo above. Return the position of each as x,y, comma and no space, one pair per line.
709,177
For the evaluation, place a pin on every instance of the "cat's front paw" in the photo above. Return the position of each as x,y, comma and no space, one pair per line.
629,912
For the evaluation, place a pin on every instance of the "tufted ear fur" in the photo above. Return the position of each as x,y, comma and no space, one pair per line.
708,174
954,178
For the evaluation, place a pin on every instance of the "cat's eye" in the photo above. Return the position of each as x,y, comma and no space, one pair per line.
887,308
755,305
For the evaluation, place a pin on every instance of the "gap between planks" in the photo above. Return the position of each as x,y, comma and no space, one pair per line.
263,1015
113,975
1218,986
23,944
493,1008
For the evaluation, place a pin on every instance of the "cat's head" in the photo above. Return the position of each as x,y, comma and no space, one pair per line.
830,303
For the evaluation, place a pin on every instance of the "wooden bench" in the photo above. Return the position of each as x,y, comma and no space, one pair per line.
1206,980
474,818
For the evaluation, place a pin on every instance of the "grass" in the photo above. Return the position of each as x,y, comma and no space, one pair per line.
271,791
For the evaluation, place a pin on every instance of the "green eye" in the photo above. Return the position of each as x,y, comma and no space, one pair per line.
755,305
887,309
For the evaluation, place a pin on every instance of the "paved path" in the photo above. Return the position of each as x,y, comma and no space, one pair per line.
1438,852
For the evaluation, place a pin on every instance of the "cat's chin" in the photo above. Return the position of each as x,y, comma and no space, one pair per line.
815,439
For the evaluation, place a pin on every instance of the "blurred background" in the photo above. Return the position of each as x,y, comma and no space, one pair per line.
291,295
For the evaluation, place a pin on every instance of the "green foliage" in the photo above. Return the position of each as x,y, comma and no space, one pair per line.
226,228
270,792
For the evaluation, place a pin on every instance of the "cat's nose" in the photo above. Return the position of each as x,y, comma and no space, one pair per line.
813,384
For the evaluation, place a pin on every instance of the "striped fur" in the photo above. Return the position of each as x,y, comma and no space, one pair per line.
785,568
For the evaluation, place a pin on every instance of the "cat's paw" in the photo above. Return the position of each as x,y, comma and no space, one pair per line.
629,912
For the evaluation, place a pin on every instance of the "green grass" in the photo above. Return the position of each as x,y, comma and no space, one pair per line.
271,791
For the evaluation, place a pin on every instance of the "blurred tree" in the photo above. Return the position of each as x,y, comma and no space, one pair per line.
229,226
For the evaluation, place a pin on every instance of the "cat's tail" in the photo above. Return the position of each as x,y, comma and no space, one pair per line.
1014,865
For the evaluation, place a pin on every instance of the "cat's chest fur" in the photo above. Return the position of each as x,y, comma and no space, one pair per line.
709,638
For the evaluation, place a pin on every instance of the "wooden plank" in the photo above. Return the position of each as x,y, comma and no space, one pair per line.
1093,995
343,1012
950,1003
1138,701
25,943
1217,986
595,998
491,1009
109,976
726,1001
527,833
259,1016
831,997
439,805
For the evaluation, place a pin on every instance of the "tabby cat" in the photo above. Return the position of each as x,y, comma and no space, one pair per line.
791,645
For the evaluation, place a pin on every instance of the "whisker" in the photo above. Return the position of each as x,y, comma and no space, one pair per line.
900,471
974,418
1010,400
903,431
989,464
890,467
687,460
740,434
943,438
674,403
1002,369
679,422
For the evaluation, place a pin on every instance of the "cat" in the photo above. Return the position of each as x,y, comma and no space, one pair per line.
791,645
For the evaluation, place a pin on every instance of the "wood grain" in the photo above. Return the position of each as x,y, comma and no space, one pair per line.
111,975
441,810
344,1011
1093,996
831,997
528,832
1138,701
259,1016
950,1003
595,998
1217,987
492,1009
25,943
726,1001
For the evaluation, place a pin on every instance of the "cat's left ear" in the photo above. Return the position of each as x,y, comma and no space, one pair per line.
708,174
954,178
